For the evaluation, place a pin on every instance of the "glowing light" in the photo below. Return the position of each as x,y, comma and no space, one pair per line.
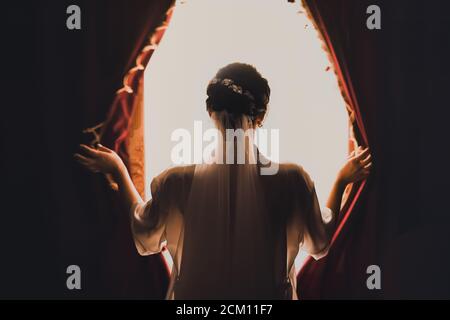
306,105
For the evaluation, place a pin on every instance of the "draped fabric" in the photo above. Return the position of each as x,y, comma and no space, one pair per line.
122,130
117,126
342,274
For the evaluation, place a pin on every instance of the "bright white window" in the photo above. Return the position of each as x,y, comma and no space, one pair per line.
279,40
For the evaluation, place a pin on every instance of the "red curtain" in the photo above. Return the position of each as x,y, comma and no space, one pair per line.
114,131
124,272
342,274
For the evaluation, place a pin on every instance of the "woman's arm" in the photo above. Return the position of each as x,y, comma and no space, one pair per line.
147,232
357,168
335,197
106,161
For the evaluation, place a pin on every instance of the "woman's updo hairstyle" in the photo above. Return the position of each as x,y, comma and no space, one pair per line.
239,88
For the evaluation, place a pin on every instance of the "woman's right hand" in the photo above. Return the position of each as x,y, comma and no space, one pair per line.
357,167
100,159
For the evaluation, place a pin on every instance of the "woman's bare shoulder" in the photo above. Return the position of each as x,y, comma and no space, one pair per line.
173,180
290,168
295,173
178,173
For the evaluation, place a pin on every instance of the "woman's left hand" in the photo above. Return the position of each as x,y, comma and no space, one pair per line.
357,167
100,159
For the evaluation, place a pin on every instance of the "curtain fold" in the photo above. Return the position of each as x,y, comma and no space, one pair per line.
122,130
122,119
342,274
116,128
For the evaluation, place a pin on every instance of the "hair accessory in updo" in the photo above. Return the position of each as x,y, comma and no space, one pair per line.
232,86
238,89
229,84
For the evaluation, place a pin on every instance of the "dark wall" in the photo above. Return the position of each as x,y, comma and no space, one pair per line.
54,214
57,82
411,112
414,102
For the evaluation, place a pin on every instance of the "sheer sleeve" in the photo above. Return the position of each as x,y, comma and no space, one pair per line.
148,220
316,223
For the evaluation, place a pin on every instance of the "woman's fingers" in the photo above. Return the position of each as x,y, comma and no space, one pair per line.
89,151
81,159
364,169
366,161
103,148
85,162
88,158
362,155
368,166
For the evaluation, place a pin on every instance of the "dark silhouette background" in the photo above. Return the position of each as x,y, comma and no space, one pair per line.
393,224
57,82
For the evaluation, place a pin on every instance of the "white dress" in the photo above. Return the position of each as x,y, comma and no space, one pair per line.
237,245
